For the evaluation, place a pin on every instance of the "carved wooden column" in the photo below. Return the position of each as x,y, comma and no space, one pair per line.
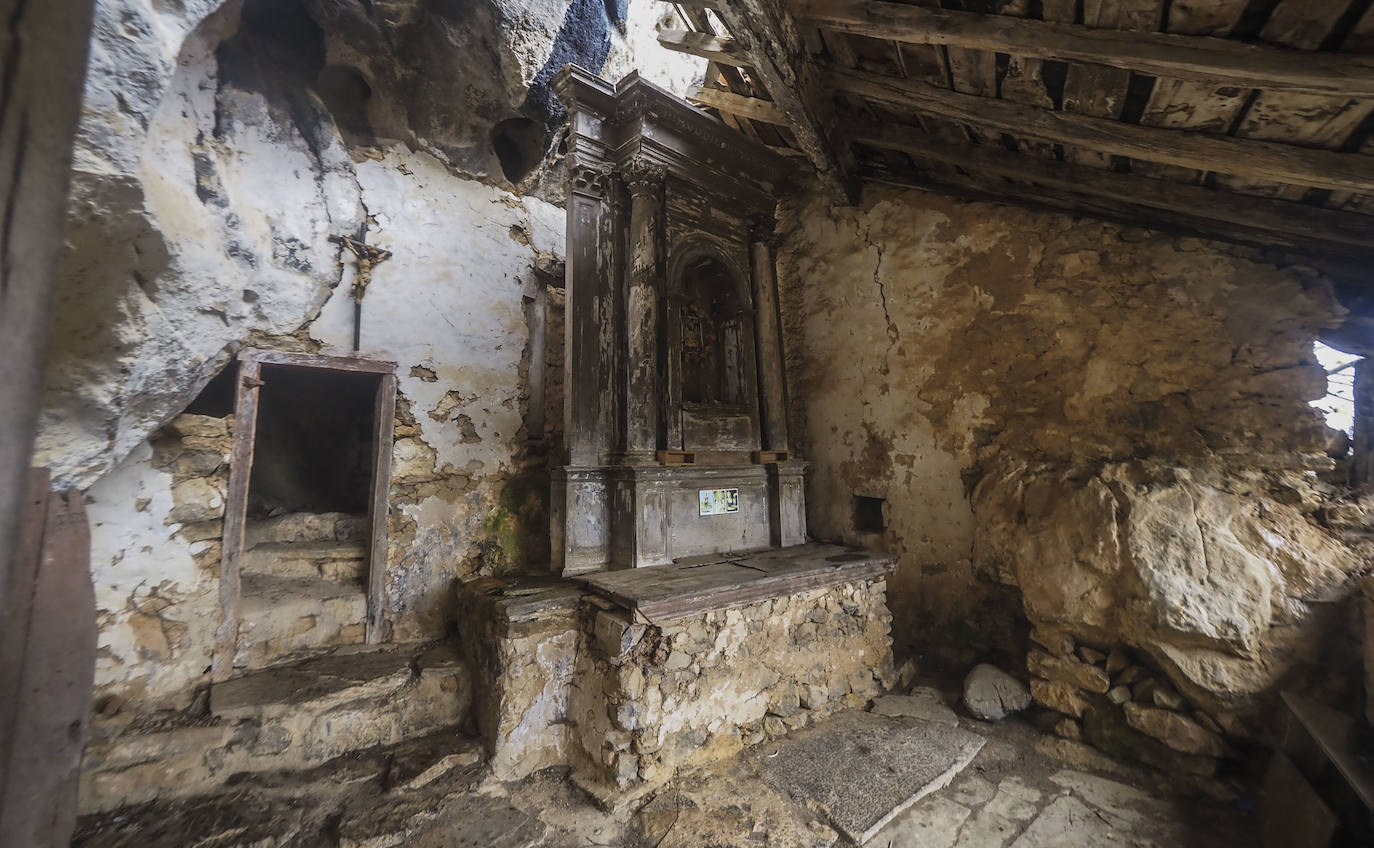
583,376
768,335
644,287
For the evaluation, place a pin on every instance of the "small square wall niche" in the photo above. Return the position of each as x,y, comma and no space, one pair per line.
868,514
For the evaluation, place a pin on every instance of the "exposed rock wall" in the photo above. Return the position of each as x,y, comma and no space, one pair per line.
1113,420
222,144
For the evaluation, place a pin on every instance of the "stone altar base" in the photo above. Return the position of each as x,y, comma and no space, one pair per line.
627,676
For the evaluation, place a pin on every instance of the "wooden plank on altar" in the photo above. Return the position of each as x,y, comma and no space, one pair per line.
662,593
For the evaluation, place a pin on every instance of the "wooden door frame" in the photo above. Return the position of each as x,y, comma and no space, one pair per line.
241,468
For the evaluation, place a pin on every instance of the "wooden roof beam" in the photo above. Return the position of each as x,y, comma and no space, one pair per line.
1214,61
720,49
1196,223
780,66
1294,222
753,108
1264,160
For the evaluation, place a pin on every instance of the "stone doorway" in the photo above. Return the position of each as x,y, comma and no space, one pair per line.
305,526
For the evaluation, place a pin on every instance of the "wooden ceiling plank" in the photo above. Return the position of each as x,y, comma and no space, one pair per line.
1295,117
1100,90
1258,159
779,64
1302,24
1207,60
1189,105
1024,83
1361,39
1353,200
1275,216
1133,15
973,72
1204,17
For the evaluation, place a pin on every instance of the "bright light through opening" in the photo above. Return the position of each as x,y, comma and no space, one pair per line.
1338,407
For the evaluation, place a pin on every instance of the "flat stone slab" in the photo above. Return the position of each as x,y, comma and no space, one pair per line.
659,593
865,769
924,703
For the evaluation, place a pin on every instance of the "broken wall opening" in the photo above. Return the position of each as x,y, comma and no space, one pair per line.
1346,411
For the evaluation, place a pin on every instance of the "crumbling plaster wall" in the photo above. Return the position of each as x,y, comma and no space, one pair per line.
210,174
1112,420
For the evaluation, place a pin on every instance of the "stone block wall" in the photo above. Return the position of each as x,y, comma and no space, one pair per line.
703,686
155,553
569,681
1114,701
523,659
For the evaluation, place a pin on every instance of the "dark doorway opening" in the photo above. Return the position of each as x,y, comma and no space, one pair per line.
313,448
306,517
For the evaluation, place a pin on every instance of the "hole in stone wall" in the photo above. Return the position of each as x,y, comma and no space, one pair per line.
868,514
346,93
519,146
217,398
1338,407
313,450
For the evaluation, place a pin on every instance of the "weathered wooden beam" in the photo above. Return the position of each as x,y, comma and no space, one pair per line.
1242,157
1215,61
753,108
693,4
1190,222
779,65
718,48
1295,222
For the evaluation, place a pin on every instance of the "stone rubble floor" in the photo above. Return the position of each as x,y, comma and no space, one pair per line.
1021,790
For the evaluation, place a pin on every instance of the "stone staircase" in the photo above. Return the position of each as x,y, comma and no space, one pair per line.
286,718
303,579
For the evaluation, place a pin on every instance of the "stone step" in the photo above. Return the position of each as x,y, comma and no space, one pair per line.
376,794
281,617
306,527
290,717
337,562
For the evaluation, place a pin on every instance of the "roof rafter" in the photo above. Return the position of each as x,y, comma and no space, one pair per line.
1295,222
1197,222
753,108
1214,61
718,48
1264,160
777,63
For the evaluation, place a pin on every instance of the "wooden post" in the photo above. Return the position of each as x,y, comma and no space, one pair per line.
1362,461
645,183
49,645
43,50
235,515
768,333
379,505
